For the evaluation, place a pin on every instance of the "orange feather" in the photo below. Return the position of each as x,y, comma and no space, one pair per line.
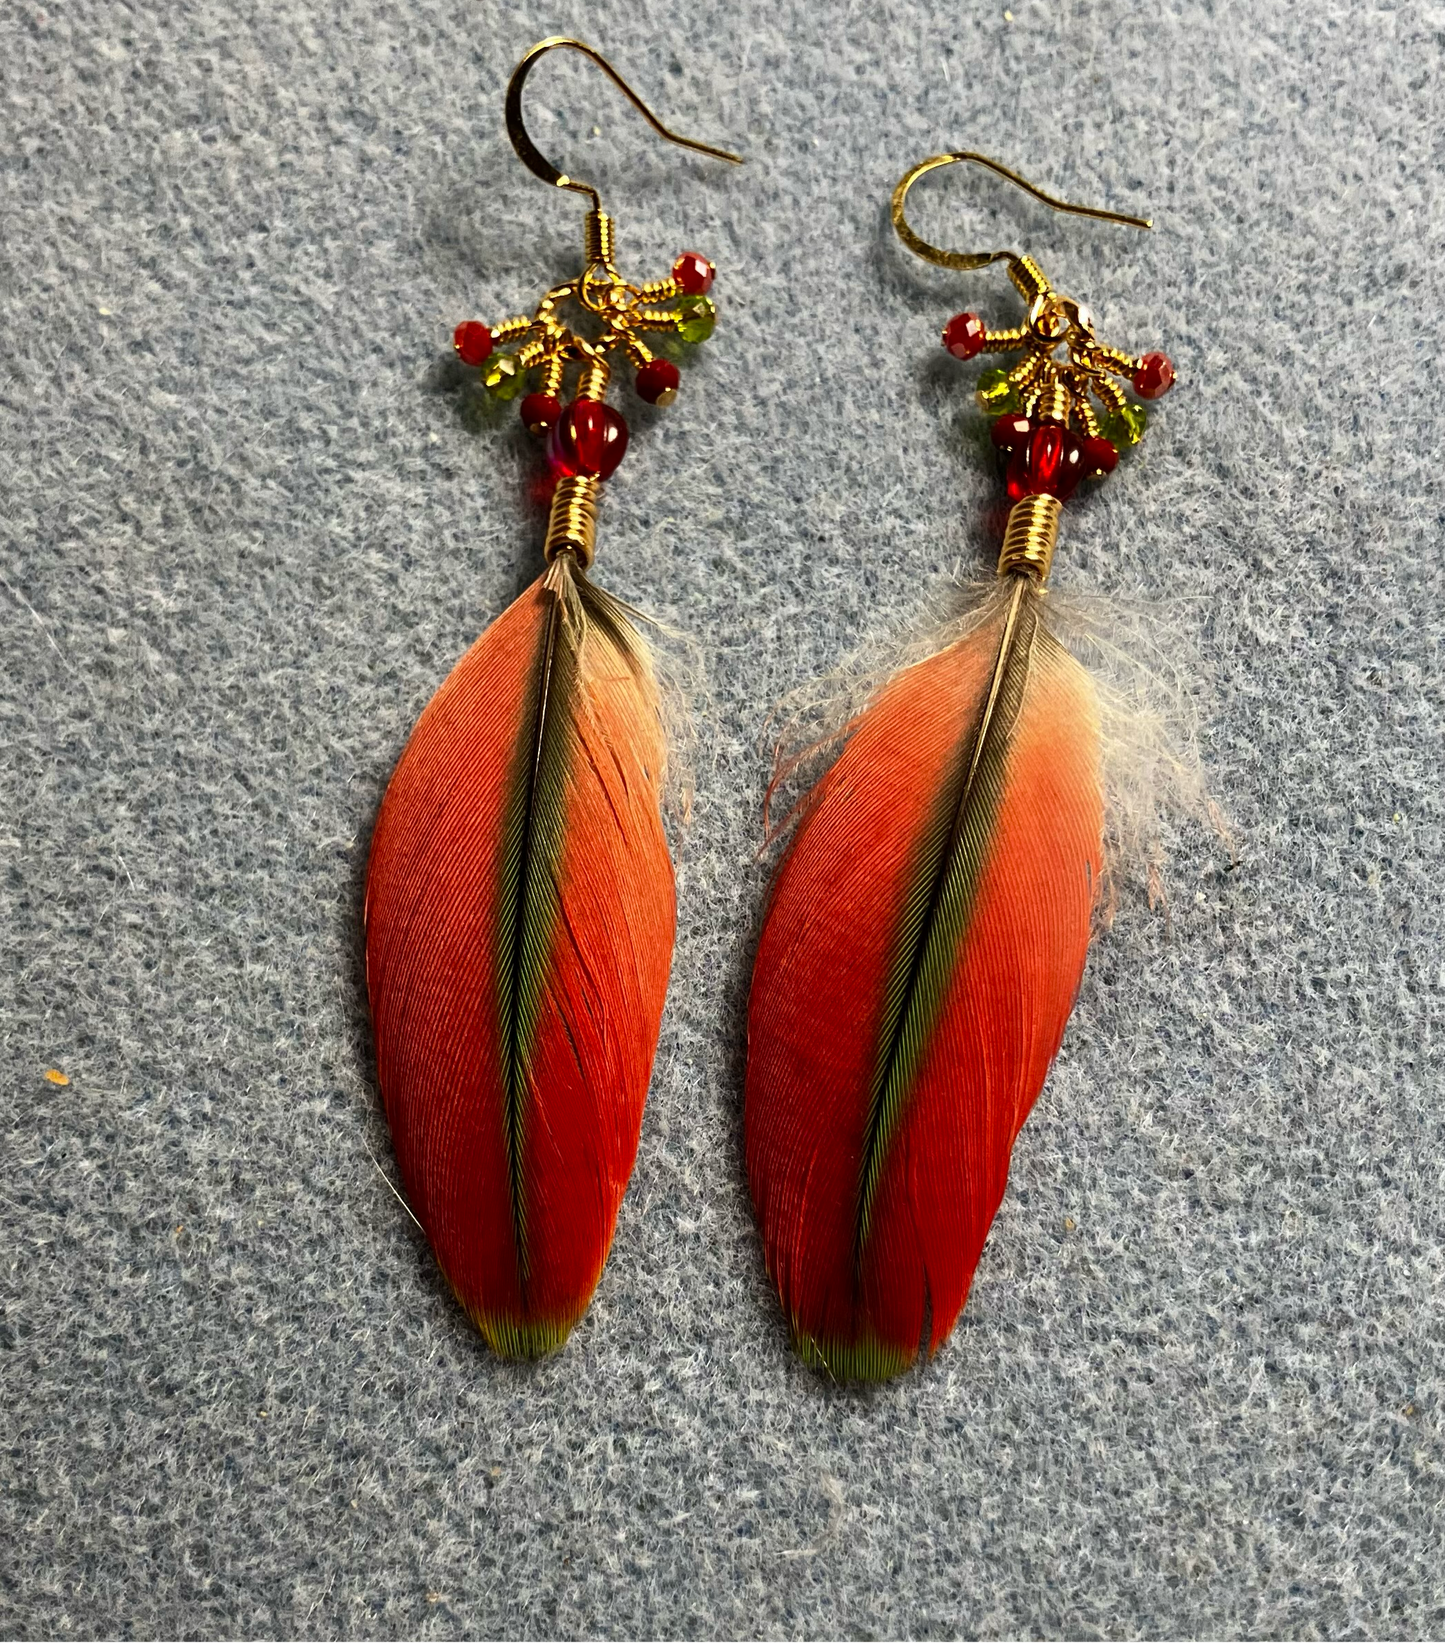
922,950
519,928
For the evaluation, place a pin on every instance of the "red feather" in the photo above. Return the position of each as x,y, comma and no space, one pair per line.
519,927
923,947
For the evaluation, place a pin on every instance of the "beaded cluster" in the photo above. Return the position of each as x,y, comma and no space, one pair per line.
505,354
587,438
1046,429
1045,388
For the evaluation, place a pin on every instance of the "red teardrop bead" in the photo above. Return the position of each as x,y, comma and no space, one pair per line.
473,342
657,382
963,335
1155,376
1009,430
1048,463
1099,456
694,274
589,438
540,412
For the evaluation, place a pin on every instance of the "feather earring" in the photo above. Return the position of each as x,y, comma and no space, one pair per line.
926,932
519,900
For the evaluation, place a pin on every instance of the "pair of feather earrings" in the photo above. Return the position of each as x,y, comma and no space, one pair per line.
927,929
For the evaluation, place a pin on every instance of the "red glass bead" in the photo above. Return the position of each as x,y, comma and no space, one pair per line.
540,412
963,335
1099,456
589,438
473,342
694,274
1155,376
1009,430
1049,462
657,382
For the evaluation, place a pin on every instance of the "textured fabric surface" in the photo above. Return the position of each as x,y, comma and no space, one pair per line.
246,531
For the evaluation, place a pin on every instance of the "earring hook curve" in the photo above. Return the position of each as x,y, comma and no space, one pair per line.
969,260
537,163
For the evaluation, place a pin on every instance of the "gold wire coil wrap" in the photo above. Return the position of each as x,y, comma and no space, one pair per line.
1030,538
592,384
598,237
1026,370
1110,393
659,290
572,527
552,373
1115,359
1052,405
1029,279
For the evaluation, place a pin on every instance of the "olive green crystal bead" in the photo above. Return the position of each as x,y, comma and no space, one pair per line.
696,317
995,393
502,377
1125,426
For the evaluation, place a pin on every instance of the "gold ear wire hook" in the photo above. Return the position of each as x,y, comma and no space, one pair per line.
537,163
968,260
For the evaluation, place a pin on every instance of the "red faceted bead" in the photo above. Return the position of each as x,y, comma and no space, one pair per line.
1154,377
694,274
589,438
1099,456
963,335
473,342
657,382
1049,462
540,412
1009,430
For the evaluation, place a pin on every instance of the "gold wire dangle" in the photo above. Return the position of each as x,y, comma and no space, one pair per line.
586,439
1046,424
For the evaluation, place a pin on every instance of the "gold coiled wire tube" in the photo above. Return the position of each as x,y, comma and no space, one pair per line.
1053,402
592,384
572,527
598,238
1029,279
1030,537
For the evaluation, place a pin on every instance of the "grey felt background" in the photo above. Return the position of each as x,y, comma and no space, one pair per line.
1198,1386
